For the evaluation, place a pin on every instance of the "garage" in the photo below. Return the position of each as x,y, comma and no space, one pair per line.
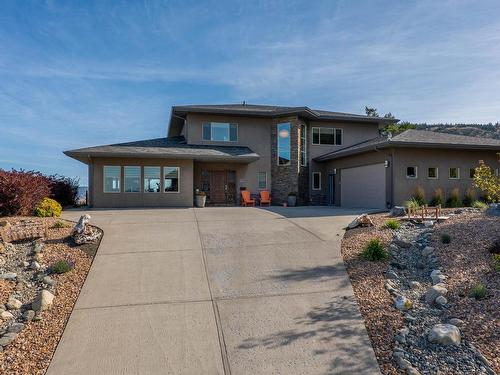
363,186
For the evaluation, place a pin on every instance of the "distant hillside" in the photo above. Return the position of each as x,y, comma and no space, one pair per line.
473,130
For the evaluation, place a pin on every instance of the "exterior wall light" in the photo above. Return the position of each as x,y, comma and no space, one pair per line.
386,163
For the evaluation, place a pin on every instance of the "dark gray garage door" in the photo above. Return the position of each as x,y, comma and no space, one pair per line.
363,186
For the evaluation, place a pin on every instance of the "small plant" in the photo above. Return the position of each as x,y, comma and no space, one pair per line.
453,200
419,195
48,208
412,204
469,197
61,266
437,197
375,251
496,262
60,224
480,204
478,291
392,224
445,238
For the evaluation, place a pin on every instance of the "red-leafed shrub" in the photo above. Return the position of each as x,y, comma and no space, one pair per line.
63,189
21,191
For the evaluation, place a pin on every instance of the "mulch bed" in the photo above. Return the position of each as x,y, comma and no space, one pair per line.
33,349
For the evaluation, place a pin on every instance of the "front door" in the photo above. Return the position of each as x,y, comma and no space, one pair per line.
218,187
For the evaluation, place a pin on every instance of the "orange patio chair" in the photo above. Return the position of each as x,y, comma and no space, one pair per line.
265,198
246,200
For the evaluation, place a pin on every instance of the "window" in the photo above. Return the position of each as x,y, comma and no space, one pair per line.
171,179
327,136
454,173
220,131
112,178
411,172
283,143
316,180
132,179
432,173
472,172
303,145
151,179
262,180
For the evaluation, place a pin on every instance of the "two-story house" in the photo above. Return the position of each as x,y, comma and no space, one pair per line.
325,157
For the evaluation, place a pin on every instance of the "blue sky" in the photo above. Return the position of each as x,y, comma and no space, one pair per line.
75,74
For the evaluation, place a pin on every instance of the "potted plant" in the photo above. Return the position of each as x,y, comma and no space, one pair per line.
201,198
292,199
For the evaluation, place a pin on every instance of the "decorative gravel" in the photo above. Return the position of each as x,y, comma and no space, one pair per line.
34,346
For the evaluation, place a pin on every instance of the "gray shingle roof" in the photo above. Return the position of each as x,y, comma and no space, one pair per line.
172,147
416,138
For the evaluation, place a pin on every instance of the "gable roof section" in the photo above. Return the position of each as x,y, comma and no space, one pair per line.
172,147
416,138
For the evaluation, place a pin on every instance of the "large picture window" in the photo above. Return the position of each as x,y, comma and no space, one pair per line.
327,136
171,177
303,145
112,177
220,131
283,143
152,180
132,179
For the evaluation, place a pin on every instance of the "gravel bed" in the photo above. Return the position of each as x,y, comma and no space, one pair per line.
32,348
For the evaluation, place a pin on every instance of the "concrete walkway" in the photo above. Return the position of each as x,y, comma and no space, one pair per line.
217,291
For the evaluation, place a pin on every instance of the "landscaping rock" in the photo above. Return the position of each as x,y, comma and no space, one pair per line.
402,303
401,243
49,281
6,315
437,277
362,220
16,327
391,274
28,315
444,334
456,321
414,284
43,301
7,338
434,292
14,304
441,301
428,250
8,276
397,211
38,247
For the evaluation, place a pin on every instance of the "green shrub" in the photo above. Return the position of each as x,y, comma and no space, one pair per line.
48,208
445,238
437,197
469,197
453,200
61,266
412,204
419,195
392,224
480,204
496,262
478,291
61,224
375,251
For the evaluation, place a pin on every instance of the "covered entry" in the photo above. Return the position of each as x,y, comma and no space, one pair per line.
363,186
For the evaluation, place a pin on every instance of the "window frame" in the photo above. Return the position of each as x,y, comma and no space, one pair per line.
259,181
104,179
319,186
125,178
178,180
209,123
278,143
458,173
437,173
334,136
416,172
144,179
303,145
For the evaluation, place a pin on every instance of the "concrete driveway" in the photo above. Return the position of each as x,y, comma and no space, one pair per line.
217,291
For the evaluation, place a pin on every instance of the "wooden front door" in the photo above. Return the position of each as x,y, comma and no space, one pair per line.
218,187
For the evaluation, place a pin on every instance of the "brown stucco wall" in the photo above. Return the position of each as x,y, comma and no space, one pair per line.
100,199
442,159
254,133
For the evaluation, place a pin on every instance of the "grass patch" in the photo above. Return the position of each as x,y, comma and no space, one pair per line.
496,262
412,204
478,291
445,238
392,224
60,224
480,204
375,251
61,266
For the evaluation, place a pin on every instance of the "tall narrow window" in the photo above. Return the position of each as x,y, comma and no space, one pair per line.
171,179
316,180
303,145
338,136
112,177
152,180
220,131
262,180
132,179
283,143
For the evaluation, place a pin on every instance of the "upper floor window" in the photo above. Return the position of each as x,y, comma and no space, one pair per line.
112,177
132,179
411,172
327,136
454,173
303,145
152,179
171,177
220,131
283,143
432,173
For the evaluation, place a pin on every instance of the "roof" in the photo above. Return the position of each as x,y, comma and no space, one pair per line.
416,138
171,147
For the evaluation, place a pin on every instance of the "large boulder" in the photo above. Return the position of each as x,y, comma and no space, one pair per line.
43,301
444,334
362,220
397,211
434,292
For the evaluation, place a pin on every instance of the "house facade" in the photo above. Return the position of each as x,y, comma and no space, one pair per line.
324,157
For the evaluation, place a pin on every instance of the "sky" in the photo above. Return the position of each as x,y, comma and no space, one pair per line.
77,74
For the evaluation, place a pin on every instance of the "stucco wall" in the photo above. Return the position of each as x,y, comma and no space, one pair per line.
100,199
442,159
